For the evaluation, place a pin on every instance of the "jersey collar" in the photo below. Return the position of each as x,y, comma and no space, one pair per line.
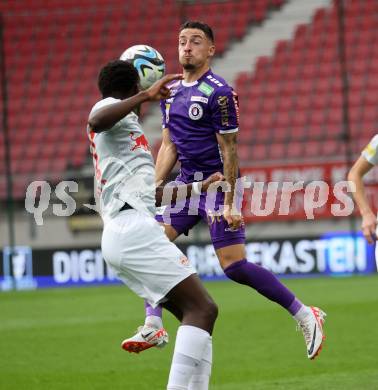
185,84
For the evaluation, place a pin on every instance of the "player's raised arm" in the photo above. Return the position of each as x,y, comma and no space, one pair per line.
369,220
105,118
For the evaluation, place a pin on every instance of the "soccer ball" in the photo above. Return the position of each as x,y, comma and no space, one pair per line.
148,62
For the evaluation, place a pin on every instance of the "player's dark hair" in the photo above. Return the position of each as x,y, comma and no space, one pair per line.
200,26
117,76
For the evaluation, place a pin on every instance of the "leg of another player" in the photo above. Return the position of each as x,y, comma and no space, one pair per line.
153,316
236,267
192,358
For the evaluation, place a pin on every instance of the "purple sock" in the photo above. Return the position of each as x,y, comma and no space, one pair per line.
150,311
264,282
295,306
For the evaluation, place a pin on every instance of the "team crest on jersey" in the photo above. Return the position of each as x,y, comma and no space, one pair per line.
195,111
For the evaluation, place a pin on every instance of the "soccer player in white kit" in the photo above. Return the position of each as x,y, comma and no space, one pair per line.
133,242
367,160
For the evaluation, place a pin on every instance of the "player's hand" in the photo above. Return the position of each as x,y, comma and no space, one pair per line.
233,217
369,225
159,89
214,178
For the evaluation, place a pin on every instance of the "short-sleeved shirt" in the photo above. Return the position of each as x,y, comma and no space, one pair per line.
371,151
194,114
124,168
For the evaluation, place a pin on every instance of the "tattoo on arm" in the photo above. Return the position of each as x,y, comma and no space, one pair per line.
228,145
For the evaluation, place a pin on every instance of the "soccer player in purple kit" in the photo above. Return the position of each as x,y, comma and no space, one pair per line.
200,127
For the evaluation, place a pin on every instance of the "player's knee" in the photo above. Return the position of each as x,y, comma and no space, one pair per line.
213,311
227,259
230,255
209,310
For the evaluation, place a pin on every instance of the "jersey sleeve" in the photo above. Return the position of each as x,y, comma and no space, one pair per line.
103,103
370,153
225,110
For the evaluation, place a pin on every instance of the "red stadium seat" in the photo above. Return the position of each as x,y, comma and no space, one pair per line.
279,134
295,150
58,165
283,119
317,118
265,121
370,114
244,153
259,152
276,151
355,114
334,116
300,118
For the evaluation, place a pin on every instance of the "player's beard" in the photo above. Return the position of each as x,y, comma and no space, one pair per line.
189,67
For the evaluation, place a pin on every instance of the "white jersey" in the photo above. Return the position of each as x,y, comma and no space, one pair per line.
371,151
124,168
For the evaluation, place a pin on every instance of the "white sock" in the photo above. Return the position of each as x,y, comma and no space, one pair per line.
154,322
302,313
201,376
189,350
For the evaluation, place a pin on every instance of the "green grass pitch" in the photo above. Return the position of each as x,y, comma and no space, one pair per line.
70,339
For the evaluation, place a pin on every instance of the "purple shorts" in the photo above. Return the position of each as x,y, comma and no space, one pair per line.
184,215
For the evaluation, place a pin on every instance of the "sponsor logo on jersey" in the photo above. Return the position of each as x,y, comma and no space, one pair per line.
206,88
139,142
195,111
223,104
201,99
215,81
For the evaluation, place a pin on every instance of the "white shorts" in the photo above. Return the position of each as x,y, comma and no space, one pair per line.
135,246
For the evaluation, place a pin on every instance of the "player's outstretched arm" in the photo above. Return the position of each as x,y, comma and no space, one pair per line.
369,220
105,118
184,191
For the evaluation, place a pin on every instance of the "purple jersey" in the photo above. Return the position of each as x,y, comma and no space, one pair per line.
194,114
